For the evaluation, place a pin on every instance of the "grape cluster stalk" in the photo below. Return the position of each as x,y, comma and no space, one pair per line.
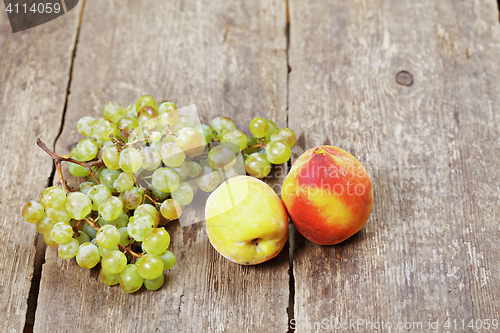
143,165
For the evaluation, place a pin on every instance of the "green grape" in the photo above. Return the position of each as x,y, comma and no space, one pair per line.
168,114
104,128
156,241
82,237
272,128
85,125
130,160
234,139
108,236
131,111
155,136
88,255
98,193
111,208
53,197
89,230
108,177
183,194
68,250
165,180
151,158
33,212
285,135
111,157
87,149
48,238
85,187
278,152
205,132
251,141
221,157
113,111
220,124
154,284
208,179
146,100
124,237
124,182
58,214
109,279
127,125
257,165
193,169
61,233
167,107
131,198
114,262
149,266
169,138
168,259
172,155
130,280
43,224
121,221
139,225
150,210
78,205
181,171
148,117
259,127
75,169
190,141
170,209
160,196
186,120
103,145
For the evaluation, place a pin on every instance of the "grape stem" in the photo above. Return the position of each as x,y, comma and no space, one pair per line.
147,196
59,158
262,145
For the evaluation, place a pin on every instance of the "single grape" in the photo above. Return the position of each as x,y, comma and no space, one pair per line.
190,141
170,209
181,171
127,125
149,266
124,237
108,177
48,238
121,221
285,135
111,157
89,230
103,129
114,262
205,132
156,241
85,125
130,160
85,187
259,127
251,141
221,157
155,136
272,128
172,155
131,198
150,210
234,139
139,226
58,214
208,179
167,107
82,237
151,158
193,169
165,180
257,165
53,197
154,284
109,279
183,194
130,280
168,259
108,236
146,100
98,193
220,124
113,111
33,212
68,250
78,205
75,169
278,152
88,255
124,182
111,208
160,196
148,117
61,233
87,149
43,224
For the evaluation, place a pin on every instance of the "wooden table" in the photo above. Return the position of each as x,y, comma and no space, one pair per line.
429,138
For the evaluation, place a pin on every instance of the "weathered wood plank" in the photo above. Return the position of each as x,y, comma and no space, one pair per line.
228,59
34,74
430,249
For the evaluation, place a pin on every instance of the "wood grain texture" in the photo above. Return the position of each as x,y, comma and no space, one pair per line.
34,74
430,249
228,59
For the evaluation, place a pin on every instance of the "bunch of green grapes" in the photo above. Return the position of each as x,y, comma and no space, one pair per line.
148,162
